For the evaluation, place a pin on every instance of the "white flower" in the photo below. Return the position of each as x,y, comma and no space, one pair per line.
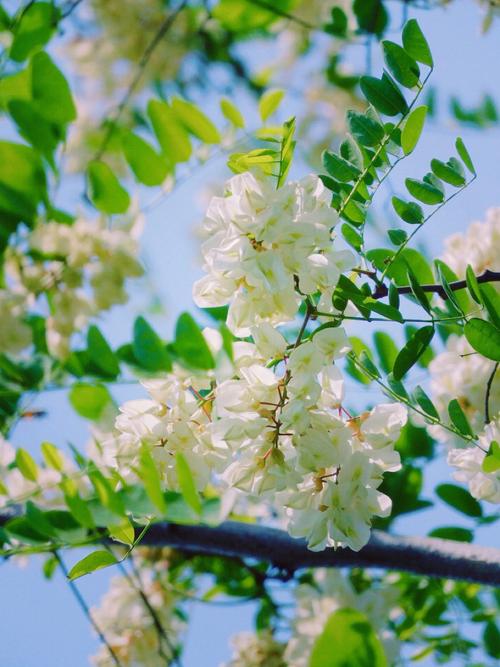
258,649
469,465
333,591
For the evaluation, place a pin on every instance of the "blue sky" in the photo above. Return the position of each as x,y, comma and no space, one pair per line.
41,624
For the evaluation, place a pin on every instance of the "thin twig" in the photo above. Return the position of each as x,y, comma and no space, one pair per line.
85,608
146,57
487,277
489,384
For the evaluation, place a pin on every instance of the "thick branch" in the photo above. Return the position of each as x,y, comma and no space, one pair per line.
421,555
487,277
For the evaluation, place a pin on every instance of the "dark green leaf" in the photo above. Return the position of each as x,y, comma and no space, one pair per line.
491,299
415,43
412,351
401,65
100,353
148,348
339,168
386,350
450,172
484,337
453,533
410,212
371,16
458,418
425,402
459,499
190,344
424,191
417,290
464,154
384,95
365,129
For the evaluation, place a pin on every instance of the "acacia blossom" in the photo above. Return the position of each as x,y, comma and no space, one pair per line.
81,269
329,592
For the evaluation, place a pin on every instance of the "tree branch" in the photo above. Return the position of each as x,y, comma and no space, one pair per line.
427,556
422,555
487,277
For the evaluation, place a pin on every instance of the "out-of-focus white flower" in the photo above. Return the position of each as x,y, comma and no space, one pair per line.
469,466
460,373
128,625
258,649
478,246
333,591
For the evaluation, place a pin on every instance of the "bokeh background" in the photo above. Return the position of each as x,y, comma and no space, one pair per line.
40,623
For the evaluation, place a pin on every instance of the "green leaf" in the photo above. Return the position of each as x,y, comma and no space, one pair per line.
171,135
50,91
352,237
21,529
339,168
76,505
386,350
450,172
425,402
26,465
417,290
383,309
105,190
491,299
186,483
22,182
347,639
366,130
424,191
453,533
458,418
459,499
491,462
287,149
415,43
401,65
100,353
412,129
52,456
384,95
269,102
92,562
148,348
190,344
89,400
491,638
473,285
232,113
241,17
484,337
107,495
41,134
412,351
195,121
371,16
148,167
410,212
150,477
397,236
123,532
36,26
464,154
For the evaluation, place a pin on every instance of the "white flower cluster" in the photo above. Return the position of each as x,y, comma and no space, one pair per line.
478,246
266,247
128,625
314,604
461,373
273,424
80,268
258,649
469,464
330,592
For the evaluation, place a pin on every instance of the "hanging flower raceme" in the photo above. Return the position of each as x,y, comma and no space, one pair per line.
81,269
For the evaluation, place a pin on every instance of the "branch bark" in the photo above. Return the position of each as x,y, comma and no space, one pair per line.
487,277
421,555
